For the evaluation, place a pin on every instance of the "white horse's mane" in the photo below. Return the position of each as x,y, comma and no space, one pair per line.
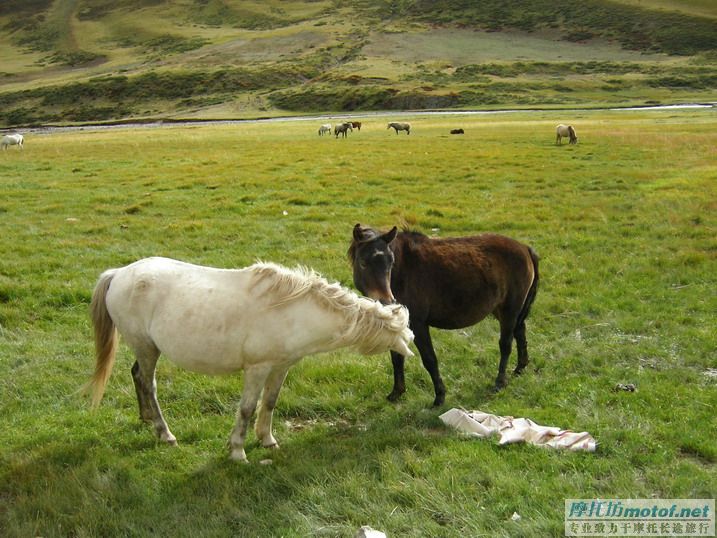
367,321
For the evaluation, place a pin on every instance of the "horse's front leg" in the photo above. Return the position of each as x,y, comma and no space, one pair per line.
399,381
254,378
268,403
430,361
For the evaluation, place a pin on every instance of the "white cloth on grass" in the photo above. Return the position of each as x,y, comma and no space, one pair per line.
517,430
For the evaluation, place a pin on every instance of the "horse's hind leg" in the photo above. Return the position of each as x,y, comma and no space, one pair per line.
511,326
505,343
145,385
522,344
145,409
266,409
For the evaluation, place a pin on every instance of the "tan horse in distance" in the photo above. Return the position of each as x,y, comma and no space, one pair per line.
565,131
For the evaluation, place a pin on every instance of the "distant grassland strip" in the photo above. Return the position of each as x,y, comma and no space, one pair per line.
128,91
99,60
632,26
703,8
303,87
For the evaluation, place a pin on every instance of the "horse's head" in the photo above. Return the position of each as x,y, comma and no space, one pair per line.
573,135
372,261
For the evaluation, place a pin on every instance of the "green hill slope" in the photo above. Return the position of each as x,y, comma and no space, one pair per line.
96,60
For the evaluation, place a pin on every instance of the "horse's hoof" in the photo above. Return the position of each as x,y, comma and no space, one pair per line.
394,396
238,455
273,446
170,439
518,370
440,400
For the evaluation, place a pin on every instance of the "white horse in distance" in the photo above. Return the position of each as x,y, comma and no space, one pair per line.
12,140
324,129
261,319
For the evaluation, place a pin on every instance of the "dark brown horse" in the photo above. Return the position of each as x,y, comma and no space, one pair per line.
356,125
400,127
342,129
449,284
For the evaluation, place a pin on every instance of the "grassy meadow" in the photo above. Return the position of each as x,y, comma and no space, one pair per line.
625,224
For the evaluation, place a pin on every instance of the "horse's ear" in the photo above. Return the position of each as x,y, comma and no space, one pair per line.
390,235
358,233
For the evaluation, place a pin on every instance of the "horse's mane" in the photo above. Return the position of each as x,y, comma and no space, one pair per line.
412,234
366,320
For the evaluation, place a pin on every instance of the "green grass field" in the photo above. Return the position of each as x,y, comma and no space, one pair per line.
625,224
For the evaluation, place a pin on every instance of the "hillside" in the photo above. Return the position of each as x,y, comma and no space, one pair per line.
107,60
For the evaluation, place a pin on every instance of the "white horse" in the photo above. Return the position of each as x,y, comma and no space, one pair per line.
261,319
400,127
12,140
325,128
565,130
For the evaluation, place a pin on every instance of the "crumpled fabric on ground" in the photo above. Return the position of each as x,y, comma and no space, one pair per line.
517,430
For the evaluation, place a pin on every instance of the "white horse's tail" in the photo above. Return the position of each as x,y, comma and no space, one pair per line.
105,338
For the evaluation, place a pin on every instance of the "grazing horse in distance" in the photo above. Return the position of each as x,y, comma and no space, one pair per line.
12,140
325,128
342,129
261,319
565,130
457,131
400,127
449,284
356,125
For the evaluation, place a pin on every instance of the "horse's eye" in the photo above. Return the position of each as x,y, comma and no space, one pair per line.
362,264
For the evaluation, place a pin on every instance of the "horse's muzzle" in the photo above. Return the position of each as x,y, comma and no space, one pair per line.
386,299
383,297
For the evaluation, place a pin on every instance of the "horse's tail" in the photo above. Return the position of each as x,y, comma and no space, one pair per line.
105,338
533,291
